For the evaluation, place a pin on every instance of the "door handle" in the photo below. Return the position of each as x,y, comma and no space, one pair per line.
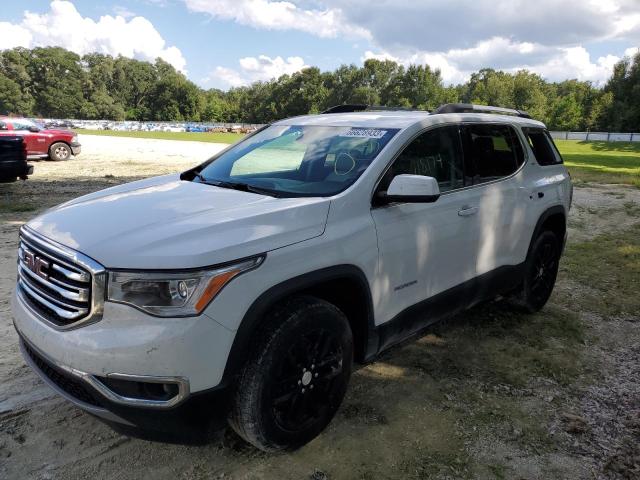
467,211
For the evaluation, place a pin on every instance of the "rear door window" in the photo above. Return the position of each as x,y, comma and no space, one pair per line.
543,147
491,152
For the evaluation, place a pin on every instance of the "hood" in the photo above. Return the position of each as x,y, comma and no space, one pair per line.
167,223
56,131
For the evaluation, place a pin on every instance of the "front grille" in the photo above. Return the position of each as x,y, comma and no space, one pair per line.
66,382
58,288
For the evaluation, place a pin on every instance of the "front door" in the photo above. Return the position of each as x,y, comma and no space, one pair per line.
425,248
35,141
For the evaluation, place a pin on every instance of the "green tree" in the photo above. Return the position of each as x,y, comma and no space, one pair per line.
56,82
13,99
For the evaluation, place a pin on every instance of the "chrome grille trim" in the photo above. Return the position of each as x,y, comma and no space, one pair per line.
69,293
71,275
48,302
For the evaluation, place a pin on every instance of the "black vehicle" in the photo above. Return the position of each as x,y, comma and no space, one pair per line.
13,159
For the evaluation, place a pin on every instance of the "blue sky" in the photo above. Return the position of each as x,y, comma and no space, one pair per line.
224,43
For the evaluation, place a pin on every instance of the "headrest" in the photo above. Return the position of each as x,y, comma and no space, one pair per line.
483,144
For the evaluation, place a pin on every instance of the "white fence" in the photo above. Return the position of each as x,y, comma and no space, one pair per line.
597,136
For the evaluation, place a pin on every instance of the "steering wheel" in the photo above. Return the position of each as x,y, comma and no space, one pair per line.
344,164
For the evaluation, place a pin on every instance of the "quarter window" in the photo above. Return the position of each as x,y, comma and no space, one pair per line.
436,153
543,147
491,152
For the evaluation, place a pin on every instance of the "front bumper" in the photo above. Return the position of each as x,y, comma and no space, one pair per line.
127,344
76,148
192,420
15,170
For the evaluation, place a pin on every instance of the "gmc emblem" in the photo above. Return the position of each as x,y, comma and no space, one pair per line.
36,264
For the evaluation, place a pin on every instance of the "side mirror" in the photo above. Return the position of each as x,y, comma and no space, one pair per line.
34,129
412,189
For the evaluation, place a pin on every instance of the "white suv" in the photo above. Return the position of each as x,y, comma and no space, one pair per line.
243,290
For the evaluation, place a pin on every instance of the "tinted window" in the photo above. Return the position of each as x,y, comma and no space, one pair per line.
543,147
436,153
491,152
21,124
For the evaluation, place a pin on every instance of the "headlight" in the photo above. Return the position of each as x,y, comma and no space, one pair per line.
74,139
180,294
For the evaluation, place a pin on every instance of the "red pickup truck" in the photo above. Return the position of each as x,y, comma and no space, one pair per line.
41,143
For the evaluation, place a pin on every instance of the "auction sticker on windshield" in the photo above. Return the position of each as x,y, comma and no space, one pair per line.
364,133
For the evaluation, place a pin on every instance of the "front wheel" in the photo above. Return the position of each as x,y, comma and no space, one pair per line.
59,151
541,270
297,376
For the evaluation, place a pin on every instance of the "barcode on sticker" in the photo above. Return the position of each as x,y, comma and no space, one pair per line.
365,133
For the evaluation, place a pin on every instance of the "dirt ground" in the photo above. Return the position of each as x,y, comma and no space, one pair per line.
489,394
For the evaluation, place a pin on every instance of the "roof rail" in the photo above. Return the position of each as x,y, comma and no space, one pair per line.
346,108
366,108
471,108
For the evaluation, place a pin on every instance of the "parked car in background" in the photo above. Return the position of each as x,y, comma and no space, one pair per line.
13,159
41,142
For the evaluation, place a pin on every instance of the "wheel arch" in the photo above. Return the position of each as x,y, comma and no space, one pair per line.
553,219
345,286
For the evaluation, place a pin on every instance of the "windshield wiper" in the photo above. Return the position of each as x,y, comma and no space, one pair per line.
244,187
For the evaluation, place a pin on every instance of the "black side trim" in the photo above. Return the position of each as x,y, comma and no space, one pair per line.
258,309
450,302
408,198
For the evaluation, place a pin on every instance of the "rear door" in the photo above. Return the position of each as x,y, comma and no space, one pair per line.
494,155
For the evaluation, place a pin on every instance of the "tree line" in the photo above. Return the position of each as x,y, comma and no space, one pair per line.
55,83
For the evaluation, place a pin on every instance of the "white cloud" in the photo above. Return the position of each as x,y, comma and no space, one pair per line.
14,36
228,76
124,12
456,36
554,64
630,52
115,35
279,15
253,69
435,25
575,62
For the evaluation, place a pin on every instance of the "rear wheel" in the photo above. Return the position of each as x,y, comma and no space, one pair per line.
541,270
297,376
59,151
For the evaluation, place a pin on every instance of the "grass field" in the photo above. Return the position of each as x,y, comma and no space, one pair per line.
588,162
602,162
185,136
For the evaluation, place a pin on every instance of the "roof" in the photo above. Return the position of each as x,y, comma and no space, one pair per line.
401,119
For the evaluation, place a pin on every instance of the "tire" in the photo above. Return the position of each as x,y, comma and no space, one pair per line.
296,377
541,270
59,151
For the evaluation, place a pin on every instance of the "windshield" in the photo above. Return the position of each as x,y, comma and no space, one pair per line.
298,160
